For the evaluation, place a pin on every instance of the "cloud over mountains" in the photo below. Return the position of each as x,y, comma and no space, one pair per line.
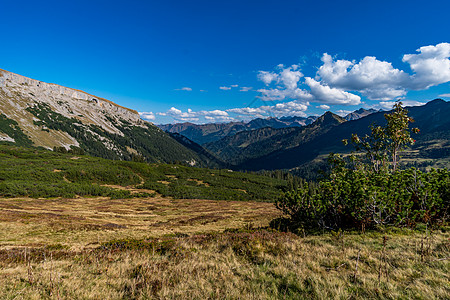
337,82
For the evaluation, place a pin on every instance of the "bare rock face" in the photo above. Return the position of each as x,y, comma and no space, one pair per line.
17,93
35,113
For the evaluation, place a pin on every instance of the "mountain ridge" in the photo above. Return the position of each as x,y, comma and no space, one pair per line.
247,145
212,132
35,113
434,139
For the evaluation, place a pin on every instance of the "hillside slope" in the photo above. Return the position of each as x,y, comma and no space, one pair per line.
249,145
35,113
433,142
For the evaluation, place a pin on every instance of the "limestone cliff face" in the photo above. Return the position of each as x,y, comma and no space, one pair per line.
35,113
17,93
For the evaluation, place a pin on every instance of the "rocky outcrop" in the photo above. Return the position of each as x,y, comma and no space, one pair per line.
35,113
17,93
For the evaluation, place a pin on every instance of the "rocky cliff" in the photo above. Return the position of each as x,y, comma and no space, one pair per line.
35,113
17,93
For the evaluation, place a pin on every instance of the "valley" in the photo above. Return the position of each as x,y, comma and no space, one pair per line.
96,203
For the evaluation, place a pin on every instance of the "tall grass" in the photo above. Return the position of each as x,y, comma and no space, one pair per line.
252,264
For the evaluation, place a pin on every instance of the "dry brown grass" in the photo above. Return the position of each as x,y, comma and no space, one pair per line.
81,222
176,249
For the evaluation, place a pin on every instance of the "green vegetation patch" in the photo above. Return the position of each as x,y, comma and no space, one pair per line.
12,129
183,182
41,173
150,144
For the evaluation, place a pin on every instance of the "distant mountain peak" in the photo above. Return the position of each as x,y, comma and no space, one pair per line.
436,101
210,132
360,113
329,118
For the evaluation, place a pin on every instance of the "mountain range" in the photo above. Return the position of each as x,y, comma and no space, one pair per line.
211,132
248,145
302,145
39,114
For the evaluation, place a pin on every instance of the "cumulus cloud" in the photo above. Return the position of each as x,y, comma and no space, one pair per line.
288,77
323,106
431,66
225,88
276,94
329,95
248,111
267,77
387,105
292,108
375,79
147,115
342,112
337,80
184,89
193,116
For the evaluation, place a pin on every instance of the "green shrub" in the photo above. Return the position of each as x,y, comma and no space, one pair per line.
370,190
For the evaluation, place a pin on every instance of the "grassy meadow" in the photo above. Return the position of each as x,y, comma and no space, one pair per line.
77,227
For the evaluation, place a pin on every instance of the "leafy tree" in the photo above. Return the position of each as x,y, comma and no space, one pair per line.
386,142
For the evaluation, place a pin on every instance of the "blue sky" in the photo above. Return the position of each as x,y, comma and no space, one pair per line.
205,61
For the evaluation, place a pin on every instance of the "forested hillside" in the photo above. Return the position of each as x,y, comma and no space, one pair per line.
301,146
39,173
245,146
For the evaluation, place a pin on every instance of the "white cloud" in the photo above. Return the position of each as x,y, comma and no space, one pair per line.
379,80
431,66
234,85
147,115
184,89
276,94
217,113
342,112
444,95
248,111
375,79
323,106
225,88
387,105
292,108
192,116
267,77
329,95
245,88
174,111
289,77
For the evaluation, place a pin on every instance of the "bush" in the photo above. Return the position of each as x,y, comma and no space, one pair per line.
371,190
